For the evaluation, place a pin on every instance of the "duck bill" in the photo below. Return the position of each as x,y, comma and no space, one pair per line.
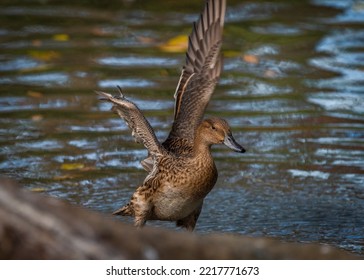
230,142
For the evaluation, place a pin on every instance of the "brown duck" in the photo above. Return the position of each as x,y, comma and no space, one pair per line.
181,169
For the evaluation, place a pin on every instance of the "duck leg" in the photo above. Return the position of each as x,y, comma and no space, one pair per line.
139,206
190,221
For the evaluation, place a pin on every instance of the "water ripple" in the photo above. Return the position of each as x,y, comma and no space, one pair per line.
125,83
137,61
43,79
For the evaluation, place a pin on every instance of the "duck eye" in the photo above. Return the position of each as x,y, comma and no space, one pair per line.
214,128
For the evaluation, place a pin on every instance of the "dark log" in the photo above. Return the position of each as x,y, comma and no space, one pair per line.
35,226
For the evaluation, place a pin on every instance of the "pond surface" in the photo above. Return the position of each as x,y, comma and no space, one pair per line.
292,89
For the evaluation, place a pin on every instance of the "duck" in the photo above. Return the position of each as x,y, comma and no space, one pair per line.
181,169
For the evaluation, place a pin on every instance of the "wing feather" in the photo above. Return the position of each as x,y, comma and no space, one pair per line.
201,71
141,129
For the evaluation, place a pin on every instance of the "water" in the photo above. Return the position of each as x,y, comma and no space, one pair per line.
292,89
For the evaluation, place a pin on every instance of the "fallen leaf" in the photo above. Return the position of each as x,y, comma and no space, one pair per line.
61,37
72,166
250,58
66,177
38,189
35,94
37,118
176,44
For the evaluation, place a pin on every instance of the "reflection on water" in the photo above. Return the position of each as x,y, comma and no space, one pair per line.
292,89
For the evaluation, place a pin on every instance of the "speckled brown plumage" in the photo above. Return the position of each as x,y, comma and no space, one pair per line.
181,170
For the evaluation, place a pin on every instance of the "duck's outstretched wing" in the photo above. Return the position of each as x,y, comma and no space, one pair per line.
200,72
139,125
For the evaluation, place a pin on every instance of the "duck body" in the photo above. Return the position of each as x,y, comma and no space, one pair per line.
181,170
178,188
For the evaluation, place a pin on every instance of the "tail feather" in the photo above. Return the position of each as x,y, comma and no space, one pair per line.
126,210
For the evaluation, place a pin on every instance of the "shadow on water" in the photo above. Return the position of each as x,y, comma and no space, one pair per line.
292,88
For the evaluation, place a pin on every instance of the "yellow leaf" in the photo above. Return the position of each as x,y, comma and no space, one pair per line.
44,55
61,37
38,189
176,44
72,166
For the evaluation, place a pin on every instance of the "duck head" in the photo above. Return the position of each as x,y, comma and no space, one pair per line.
217,131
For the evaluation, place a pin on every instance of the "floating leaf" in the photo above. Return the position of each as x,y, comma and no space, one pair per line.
250,58
176,44
61,37
72,166
38,189
37,118
34,94
44,55
66,177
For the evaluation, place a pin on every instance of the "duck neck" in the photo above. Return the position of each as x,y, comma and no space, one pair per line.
201,147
